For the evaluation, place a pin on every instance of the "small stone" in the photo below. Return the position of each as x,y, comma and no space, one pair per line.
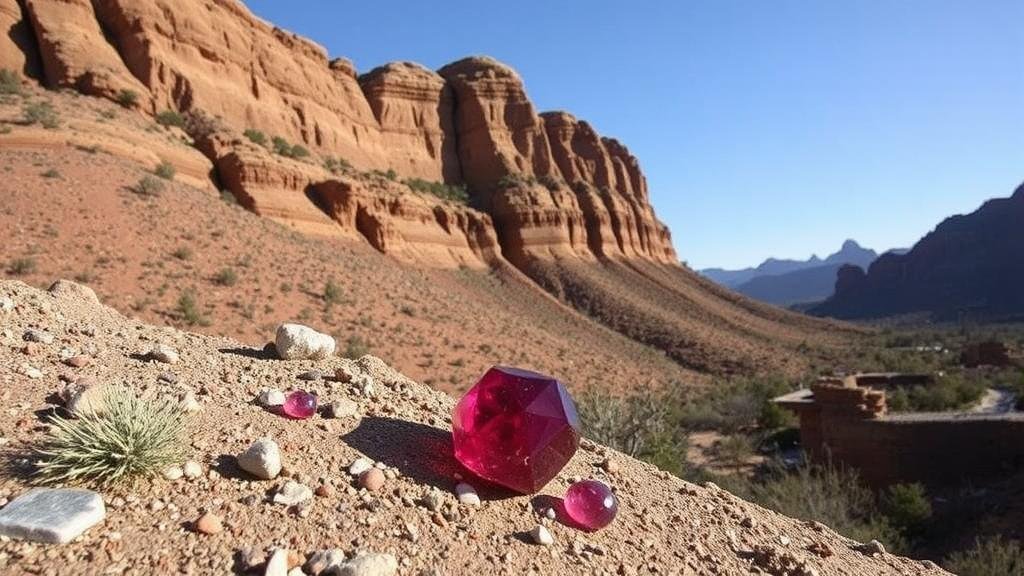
277,565
193,469
209,523
871,548
550,514
271,398
173,473
167,377
322,560
6,304
541,535
84,397
298,342
747,522
79,361
311,375
298,572
262,459
342,408
372,479
359,466
54,516
324,491
432,500
344,374
40,336
291,493
163,353
189,404
31,372
610,466
367,565
467,494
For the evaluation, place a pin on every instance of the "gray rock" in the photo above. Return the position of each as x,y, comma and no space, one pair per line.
872,548
322,560
40,336
342,408
69,289
311,375
6,304
298,342
366,565
163,353
54,516
270,398
262,459
292,493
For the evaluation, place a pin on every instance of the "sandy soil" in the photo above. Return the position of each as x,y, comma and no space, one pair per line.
665,525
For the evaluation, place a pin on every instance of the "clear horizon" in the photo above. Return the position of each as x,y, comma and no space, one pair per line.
764,130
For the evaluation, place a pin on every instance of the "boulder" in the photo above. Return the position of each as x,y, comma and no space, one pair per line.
298,342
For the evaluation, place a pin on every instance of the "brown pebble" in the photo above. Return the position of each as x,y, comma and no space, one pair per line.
295,559
80,361
31,349
324,491
610,466
372,479
209,523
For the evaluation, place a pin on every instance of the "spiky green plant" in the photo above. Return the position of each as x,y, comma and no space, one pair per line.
130,438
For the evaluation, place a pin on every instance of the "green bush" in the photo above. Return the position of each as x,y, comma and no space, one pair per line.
992,557
256,137
41,113
281,146
126,438
170,118
149,186
165,170
356,347
182,253
226,277
453,193
128,98
906,506
189,310
10,83
22,266
51,173
298,151
332,293
736,404
336,165
950,392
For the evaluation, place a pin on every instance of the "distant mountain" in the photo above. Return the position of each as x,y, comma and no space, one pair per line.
970,264
851,252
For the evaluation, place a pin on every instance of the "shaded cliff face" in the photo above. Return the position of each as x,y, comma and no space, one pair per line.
970,264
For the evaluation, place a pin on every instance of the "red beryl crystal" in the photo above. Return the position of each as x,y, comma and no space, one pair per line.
516,428
299,404
591,504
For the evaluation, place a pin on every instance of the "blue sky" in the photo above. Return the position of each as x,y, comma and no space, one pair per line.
765,128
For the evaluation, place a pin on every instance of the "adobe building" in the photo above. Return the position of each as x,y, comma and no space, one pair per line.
845,420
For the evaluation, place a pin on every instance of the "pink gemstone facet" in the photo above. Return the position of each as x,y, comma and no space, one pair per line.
300,404
591,504
515,428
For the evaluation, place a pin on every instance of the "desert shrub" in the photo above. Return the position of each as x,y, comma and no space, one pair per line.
828,494
298,151
906,506
10,83
41,113
189,310
51,173
736,404
182,253
511,180
639,424
6,129
128,98
148,186
256,137
990,557
453,193
165,170
22,266
356,347
281,146
336,165
332,293
949,392
226,277
130,437
170,118
736,449
551,183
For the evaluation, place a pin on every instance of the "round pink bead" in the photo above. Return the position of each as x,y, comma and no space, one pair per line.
591,504
300,404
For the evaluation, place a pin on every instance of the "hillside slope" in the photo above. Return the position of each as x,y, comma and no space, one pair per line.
971,265
664,525
520,192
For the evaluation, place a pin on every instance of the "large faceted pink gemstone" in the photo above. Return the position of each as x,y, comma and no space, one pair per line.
516,428
591,504
300,404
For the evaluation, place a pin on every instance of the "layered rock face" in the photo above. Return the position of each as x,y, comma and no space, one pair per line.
18,51
414,108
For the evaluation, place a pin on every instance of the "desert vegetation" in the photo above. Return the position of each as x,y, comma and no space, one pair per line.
450,192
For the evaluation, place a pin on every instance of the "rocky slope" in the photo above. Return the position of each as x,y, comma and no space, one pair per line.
970,266
665,525
544,192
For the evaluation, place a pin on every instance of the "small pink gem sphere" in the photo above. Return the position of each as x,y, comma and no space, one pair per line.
591,504
300,404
